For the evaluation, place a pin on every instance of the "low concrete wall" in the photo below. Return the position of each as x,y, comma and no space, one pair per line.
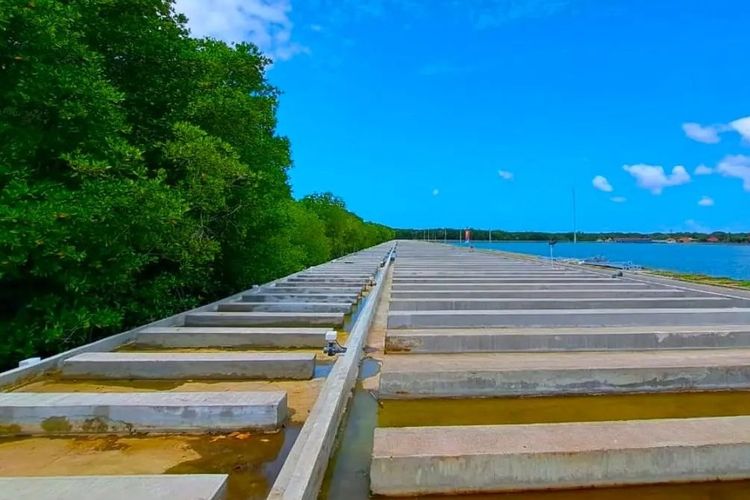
156,487
304,469
91,413
482,459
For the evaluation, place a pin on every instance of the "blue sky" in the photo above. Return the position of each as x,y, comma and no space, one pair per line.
489,113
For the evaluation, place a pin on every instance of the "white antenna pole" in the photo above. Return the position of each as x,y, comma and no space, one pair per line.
575,231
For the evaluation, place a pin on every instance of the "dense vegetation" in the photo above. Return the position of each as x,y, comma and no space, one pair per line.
141,174
499,235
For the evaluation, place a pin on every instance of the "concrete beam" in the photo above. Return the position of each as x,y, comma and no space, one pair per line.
264,319
93,413
568,318
303,307
565,339
585,293
516,286
474,304
350,298
189,337
485,459
141,487
196,365
534,374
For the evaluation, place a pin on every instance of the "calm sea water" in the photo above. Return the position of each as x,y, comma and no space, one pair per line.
732,261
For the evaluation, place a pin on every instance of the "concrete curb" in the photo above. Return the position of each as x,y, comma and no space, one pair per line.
304,469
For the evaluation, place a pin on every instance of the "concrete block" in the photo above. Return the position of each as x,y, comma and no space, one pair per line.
93,413
535,374
141,487
449,340
189,337
568,318
304,307
585,293
473,304
263,319
501,458
196,365
350,298
515,286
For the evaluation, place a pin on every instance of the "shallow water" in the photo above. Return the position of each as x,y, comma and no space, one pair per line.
713,259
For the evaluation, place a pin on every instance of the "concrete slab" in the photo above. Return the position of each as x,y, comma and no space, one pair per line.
448,340
569,318
189,337
141,487
350,298
517,286
468,279
94,413
474,304
501,458
312,290
264,319
304,307
197,365
585,293
532,374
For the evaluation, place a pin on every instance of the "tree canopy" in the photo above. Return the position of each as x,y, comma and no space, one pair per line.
141,174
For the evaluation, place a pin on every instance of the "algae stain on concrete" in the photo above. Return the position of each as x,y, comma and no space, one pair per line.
555,409
56,425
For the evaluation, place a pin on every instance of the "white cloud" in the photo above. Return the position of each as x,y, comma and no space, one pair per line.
697,132
736,166
435,192
653,177
265,23
504,174
602,184
696,227
742,127
619,199
706,201
703,170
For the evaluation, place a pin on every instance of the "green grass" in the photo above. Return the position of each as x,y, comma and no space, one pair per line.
705,280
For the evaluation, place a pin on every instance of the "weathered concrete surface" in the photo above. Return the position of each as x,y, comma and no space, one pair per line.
529,374
350,298
433,460
517,286
569,318
189,337
448,340
302,307
585,293
311,290
264,319
152,487
479,304
87,413
220,365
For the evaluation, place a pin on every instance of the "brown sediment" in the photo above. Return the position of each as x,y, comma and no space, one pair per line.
251,460
555,409
301,394
725,490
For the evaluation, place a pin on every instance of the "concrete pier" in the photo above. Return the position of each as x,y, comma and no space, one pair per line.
302,307
197,365
90,413
486,459
151,487
472,324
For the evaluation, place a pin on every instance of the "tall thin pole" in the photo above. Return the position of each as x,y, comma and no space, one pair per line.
490,231
575,231
445,235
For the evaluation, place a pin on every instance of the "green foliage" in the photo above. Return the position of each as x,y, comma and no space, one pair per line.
140,174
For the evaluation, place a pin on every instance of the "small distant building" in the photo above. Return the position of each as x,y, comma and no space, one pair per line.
686,239
712,239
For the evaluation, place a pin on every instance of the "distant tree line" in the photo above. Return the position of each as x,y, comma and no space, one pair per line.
141,174
500,235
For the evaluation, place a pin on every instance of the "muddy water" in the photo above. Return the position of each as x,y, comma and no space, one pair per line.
433,412
252,461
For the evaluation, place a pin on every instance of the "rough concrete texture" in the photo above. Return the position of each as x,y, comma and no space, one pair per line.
585,293
302,307
90,413
264,319
192,337
351,298
521,374
449,340
434,460
221,365
479,304
156,487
